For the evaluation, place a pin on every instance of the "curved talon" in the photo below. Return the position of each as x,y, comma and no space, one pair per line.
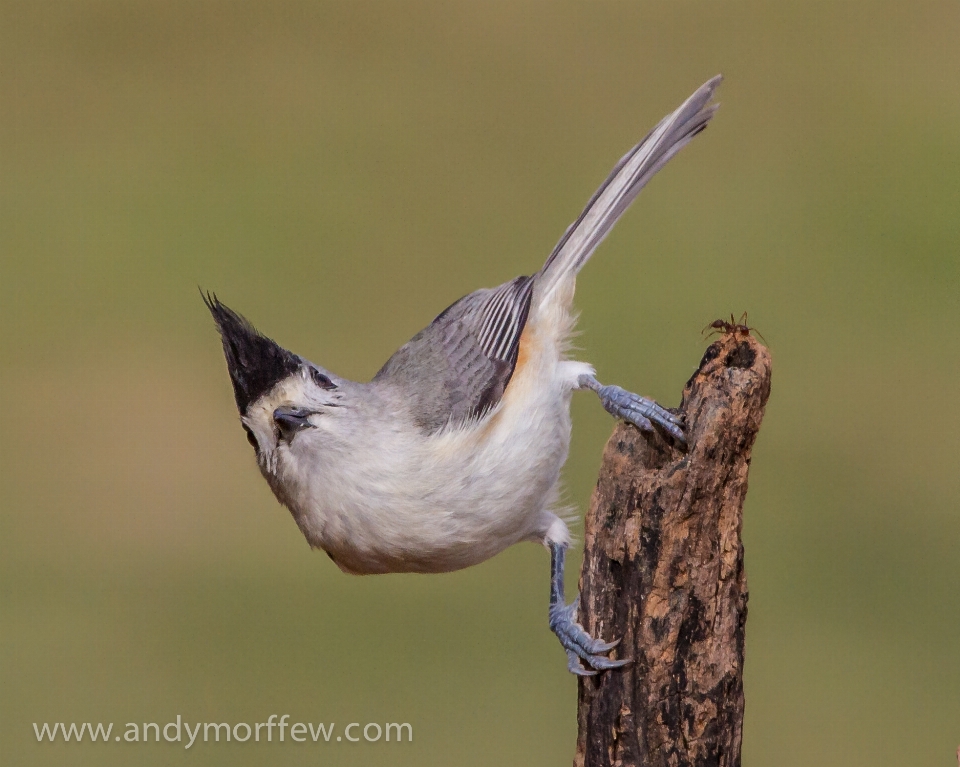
604,646
603,664
574,666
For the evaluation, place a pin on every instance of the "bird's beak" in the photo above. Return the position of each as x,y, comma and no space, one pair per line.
290,420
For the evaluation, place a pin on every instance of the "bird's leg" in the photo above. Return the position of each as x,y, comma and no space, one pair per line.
577,642
640,411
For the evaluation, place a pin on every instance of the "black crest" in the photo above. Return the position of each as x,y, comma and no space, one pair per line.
256,363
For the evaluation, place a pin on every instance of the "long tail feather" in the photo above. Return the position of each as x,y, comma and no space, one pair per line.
626,180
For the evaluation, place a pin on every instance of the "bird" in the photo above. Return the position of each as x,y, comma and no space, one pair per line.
452,452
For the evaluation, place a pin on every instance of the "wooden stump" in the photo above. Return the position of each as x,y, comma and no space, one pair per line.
663,570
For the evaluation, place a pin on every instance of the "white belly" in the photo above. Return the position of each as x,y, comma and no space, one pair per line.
409,502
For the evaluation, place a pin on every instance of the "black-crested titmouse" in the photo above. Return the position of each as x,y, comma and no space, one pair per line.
453,451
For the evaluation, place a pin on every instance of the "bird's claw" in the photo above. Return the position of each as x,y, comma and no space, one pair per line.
579,644
641,412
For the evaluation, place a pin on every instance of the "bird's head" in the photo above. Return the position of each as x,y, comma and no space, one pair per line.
285,402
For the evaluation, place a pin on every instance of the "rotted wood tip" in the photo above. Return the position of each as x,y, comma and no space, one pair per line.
733,374
663,571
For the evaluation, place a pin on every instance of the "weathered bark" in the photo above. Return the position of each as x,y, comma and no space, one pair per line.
663,570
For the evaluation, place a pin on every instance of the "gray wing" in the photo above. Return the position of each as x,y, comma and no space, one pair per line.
458,367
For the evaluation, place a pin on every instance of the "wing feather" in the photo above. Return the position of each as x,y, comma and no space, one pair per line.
458,367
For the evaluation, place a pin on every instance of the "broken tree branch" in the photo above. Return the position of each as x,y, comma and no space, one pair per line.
663,570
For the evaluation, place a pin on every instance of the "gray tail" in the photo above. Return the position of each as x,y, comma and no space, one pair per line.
626,180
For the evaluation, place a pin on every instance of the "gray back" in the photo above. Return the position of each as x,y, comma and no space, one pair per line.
458,367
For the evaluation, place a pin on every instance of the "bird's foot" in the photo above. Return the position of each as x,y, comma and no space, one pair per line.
579,644
641,412
576,642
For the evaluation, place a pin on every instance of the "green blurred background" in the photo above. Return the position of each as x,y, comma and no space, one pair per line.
340,172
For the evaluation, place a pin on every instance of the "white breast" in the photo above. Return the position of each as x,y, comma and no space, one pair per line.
396,500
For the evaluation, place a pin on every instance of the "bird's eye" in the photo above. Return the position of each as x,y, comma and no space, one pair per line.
251,439
321,380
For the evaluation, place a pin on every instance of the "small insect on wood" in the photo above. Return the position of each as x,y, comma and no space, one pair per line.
735,327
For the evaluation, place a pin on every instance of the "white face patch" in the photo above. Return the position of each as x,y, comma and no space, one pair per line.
307,389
